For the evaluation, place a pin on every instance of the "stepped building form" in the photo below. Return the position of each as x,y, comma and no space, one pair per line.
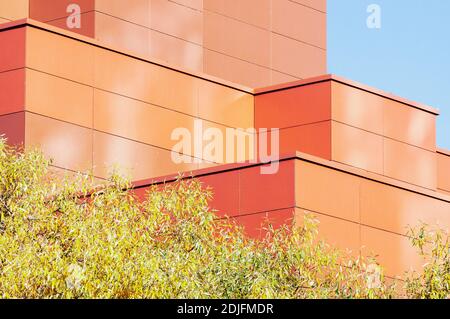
96,83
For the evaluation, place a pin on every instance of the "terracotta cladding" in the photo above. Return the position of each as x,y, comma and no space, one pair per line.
242,41
443,163
13,10
355,211
337,120
136,103
144,102
90,106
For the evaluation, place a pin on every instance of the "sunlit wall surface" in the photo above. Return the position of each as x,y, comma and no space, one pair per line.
251,42
363,160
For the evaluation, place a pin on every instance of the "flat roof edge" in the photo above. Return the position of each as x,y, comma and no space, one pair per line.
358,85
443,151
78,37
210,78
296,156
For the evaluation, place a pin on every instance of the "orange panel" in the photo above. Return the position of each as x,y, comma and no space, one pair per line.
175,90
12,91
443,162
418,127
70,146
135,11
255,12
236,70
4,20
59,98
357,108
410,164
320,5
137,120
60,56
338,233
14,10
237,39
393,209
176,51
123,75
12,126
297,21
327,191
241,150
184,23
135,160
145,81
225,105
12,52
297,58
61,174
122,34
194,4
293,107
87,28
314,139
356,147
278,77
262,193
395,252
47,10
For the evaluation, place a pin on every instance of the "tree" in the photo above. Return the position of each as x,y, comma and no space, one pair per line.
66,238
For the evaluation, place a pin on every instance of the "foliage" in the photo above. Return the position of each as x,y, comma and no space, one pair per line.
64,238
434,281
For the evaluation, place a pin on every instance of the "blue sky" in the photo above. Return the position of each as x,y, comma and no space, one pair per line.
408,56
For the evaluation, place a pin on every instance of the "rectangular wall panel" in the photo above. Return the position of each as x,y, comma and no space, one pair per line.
60,56
12,53
12,127
59,98
443,162
338,233
68,145
410,164
357,148
14,10
12,91
327,191
134,160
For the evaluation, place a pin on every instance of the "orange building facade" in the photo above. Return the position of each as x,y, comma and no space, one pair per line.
114,88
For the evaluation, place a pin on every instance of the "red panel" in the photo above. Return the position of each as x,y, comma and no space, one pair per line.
225,188
280,218
12,91
259,193
255,225
141,193
12,126
12,49
48,10
314,139
293,107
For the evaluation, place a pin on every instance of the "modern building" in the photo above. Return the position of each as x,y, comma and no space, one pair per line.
96,83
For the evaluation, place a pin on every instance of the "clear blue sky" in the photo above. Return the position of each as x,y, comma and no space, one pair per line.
408,56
